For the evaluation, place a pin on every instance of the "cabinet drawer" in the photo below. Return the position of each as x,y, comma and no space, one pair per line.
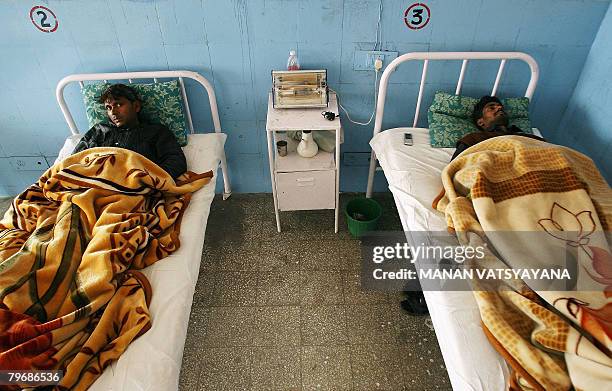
306,190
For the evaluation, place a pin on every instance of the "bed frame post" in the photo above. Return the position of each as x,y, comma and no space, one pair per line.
371,172
227,190
380,109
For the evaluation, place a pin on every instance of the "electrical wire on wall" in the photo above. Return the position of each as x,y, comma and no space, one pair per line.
378,45
377,67
373,110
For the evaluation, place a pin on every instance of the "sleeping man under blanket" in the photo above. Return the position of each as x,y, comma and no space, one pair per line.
154,141
492,121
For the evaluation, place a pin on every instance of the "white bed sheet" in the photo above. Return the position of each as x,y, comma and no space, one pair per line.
413,173
153,361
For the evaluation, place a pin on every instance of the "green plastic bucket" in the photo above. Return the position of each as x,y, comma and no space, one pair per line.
362,215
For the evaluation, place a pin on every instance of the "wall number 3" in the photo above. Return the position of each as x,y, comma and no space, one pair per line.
417,16
44,19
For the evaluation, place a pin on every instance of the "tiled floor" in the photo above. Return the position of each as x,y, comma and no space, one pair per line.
285,311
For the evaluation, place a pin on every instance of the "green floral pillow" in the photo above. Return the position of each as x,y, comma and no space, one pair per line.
161,103
446,130
517,108
449,117
455,105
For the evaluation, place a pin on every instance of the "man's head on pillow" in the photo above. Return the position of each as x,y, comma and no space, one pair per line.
122,105
489,112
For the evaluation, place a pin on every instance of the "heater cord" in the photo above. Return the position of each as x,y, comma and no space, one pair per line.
373,110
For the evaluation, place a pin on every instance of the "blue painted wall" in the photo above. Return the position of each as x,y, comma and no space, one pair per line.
586,123
236,43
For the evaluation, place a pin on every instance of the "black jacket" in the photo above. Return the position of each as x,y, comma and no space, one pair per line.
153,141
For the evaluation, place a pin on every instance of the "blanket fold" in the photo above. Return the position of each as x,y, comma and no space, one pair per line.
71,297
525,199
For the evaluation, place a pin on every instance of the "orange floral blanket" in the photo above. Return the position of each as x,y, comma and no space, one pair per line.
525,199
71,297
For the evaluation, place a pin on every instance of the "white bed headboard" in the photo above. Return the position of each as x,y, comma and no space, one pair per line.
153,75
444,56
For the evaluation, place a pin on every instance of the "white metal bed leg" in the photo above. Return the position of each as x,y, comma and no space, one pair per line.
227,189
371,174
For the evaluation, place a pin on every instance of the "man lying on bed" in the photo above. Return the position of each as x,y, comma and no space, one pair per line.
491,118
72,297
153,141
524,202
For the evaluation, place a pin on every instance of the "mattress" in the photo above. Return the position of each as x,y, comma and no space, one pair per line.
153,361
413,173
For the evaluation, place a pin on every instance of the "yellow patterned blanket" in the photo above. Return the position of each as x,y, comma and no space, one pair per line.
71,297
554,197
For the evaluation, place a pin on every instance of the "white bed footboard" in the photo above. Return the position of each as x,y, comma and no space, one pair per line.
154,75
443,56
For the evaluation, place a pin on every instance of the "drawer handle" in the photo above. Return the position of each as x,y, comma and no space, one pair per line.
302,182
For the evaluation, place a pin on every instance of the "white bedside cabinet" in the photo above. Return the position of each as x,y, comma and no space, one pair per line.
300,183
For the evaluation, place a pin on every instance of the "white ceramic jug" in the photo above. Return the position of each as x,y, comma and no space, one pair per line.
307,147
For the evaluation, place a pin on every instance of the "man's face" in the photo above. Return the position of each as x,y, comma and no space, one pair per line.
122,112
493,114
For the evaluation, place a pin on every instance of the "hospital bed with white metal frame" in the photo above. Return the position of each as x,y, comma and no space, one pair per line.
444,56
414,177
153,361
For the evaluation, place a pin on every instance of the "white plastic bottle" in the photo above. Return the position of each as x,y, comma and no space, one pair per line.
292,63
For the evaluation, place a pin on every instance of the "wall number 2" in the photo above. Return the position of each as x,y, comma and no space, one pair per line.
43,19
417,16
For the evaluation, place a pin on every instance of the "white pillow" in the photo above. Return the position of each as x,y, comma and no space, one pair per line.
203,151
69,145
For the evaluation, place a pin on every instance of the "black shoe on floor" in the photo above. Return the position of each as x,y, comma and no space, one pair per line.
415,304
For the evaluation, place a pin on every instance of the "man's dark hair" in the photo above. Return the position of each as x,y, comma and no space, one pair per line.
478,107
116,91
